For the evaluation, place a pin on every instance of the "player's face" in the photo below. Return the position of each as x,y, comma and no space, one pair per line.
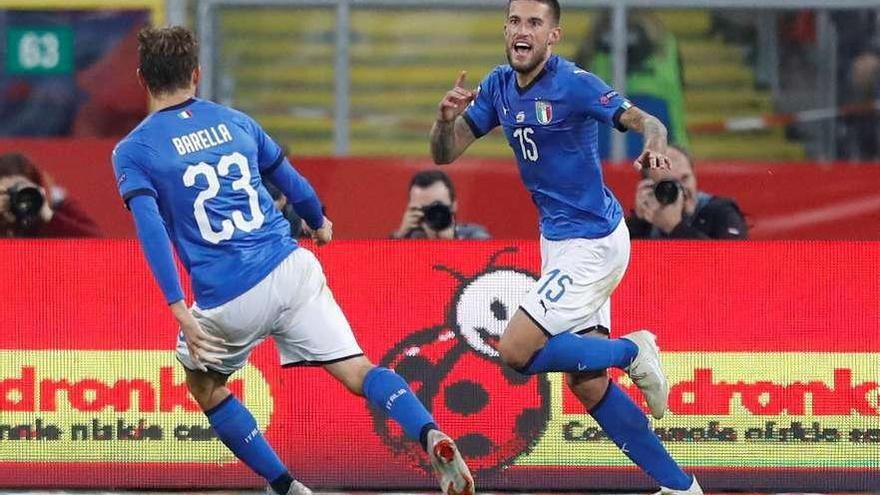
529,34
681,170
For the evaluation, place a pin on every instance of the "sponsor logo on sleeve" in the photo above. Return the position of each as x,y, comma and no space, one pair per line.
607,97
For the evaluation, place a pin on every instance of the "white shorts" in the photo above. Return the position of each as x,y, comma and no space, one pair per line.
293,305
577,279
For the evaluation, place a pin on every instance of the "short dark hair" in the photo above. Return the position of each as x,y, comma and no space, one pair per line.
427,178
168,56
12,164
555,10
645,171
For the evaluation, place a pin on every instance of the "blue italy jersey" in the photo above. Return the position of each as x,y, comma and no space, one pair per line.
552,127
203,164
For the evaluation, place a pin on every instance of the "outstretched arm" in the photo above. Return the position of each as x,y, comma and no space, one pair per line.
451,134
654,154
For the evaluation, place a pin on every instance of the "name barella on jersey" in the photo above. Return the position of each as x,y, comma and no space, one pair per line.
203,162
552,127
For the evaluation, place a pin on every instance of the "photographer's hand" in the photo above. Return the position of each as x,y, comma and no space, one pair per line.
667,217
411,220
645,202
6,216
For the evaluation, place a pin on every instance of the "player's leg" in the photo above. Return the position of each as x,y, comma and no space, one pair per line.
388,391
625,423
578,278
243,323
531,348
315,332
237,429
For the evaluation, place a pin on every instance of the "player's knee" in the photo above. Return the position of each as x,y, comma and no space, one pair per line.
352,373
207,390
354,385
589,389
514,356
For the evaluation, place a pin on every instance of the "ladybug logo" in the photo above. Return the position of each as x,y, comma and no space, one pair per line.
493,413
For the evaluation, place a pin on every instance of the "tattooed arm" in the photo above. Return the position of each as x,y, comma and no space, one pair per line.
654,154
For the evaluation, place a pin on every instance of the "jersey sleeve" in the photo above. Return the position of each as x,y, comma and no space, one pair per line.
132,178
156,246
269,154
481,116
595,98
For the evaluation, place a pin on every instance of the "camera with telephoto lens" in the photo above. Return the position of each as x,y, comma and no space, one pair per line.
667,191
25,202
438,216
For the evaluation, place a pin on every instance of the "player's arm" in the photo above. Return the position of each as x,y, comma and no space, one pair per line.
654,153
157,249
140,195
451,133
600,101
275,167
303,198
450,139
300,194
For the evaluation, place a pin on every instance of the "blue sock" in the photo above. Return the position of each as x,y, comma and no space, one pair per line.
237,429
628,427
569,352
388,391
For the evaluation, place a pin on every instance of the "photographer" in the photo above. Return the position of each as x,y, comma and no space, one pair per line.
31,206
430,213
669,206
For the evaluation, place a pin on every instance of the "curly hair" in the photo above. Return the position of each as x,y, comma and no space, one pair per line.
168,56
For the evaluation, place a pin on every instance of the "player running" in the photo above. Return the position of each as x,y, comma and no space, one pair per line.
549,110
191,174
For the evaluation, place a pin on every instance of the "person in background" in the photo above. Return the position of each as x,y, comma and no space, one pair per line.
31,205
668,205
430,213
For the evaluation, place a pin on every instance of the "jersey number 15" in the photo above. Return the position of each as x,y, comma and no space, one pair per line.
227,226
526,143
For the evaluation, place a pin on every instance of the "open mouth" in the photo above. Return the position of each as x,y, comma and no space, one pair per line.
522,48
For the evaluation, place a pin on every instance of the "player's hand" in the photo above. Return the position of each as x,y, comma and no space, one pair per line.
201,345
455,101
652,159
411,220
321,236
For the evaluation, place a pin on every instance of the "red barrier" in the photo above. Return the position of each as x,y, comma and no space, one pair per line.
771,350
365,197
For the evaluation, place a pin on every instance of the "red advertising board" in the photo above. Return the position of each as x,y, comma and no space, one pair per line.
772,349
366,196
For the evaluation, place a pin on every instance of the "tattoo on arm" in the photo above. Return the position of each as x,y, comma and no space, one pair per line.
637,120
442,141
449,140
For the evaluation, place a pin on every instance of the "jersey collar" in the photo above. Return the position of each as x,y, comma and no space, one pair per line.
551,63
179,105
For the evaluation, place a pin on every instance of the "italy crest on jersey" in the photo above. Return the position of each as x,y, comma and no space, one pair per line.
544,112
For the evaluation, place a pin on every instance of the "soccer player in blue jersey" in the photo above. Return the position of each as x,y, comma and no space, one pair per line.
191,175
550,110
